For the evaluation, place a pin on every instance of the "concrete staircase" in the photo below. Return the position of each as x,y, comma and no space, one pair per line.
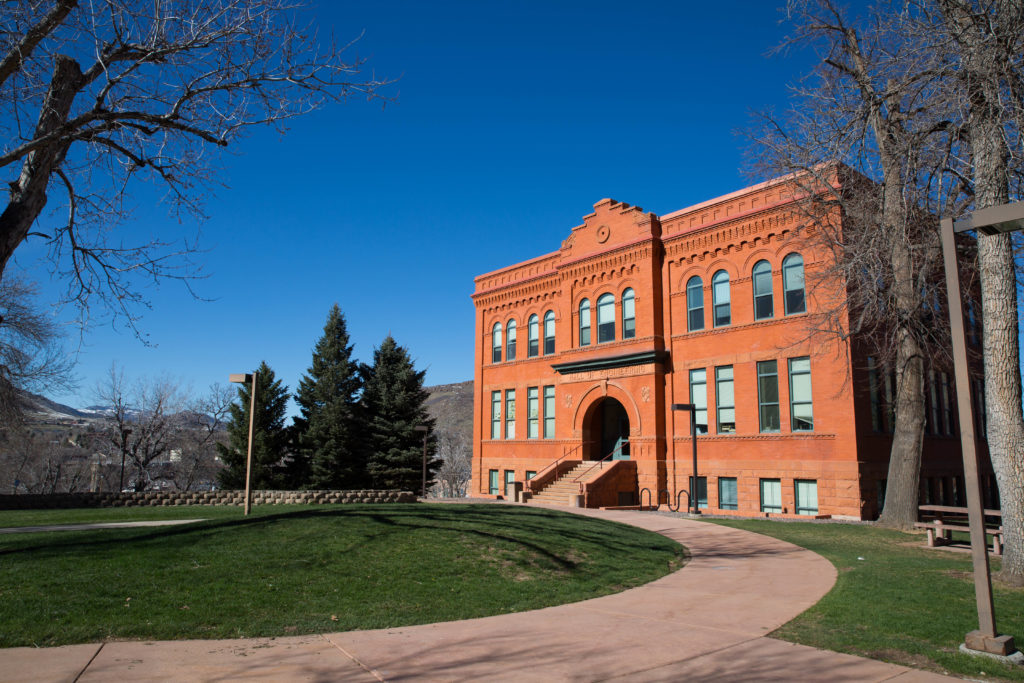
563,490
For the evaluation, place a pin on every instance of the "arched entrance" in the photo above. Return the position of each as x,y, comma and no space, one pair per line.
606,429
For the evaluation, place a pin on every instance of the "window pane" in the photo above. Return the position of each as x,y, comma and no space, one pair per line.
510,414
720,298
496,343
495,414
605,318
762,278
699,398
695,304
725,400
532,413
549,412
793,283
585,322
806,497
771,495
727,499
628,314
800,404
493,482
549,332
702,491
510,344
533,332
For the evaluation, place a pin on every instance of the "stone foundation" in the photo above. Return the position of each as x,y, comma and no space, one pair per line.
161,498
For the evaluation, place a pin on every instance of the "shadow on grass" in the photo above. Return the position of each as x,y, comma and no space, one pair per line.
532,528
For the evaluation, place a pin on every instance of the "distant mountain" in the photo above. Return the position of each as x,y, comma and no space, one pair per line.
451,405
43,408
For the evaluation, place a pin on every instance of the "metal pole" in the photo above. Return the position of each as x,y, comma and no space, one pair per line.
984,638
693,437
248,458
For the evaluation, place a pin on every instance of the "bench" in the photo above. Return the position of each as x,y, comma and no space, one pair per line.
940,533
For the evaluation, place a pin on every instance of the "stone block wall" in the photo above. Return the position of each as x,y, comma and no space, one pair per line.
168,498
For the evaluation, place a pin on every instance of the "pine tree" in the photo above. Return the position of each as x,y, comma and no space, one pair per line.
394,404
328,454
270,438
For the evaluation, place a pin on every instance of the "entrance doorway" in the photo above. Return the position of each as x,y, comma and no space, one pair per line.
607,429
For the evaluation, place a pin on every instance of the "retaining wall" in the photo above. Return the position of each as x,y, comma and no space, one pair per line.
158,498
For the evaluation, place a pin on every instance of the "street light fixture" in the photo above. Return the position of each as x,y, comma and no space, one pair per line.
692,408
423,428
246,378
990,221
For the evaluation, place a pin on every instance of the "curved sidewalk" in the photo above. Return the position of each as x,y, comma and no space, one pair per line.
704,622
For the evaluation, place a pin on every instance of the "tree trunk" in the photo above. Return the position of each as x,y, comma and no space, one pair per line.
28,193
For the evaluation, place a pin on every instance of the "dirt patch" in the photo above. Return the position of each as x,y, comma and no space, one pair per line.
914,661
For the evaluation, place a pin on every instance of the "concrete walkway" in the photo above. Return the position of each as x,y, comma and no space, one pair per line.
94,525
705,622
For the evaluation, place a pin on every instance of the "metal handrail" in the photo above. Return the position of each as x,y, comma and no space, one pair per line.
557,460
599,463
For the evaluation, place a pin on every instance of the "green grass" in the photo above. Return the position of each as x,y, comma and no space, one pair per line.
300,569
894,599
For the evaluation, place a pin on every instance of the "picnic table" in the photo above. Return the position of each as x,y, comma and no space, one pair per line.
949,518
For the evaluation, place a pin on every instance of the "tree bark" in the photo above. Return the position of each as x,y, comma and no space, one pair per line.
28,193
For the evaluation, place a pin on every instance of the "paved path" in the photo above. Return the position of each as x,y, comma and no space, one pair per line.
705,622
94,525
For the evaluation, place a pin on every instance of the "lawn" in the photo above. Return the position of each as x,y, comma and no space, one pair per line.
306,569
894,599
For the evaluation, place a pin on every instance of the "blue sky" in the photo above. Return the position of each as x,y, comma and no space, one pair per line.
511,121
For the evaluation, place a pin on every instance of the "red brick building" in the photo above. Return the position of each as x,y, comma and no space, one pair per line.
581,353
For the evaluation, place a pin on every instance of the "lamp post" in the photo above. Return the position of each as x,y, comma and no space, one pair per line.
994,220
423,428
692,408
124,451
245,378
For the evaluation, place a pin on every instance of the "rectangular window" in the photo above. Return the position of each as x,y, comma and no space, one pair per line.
806,496
530,474
510,481
771,495
699,398
768,395
701,493
727,499
532,413
493,482
725,400
801,409
510,414
549,412
695,304
495,414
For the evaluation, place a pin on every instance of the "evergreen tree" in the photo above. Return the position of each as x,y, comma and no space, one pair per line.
328,455
270,438
393,403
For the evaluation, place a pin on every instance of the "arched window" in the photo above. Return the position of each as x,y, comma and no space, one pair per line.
549,333
533,336
720,298
628,314
510,340
793,284
764,307
496,343
605,318
585,322
695,304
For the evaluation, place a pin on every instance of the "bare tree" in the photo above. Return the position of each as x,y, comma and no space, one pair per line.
142,426
44,462
195,464
455,451
986,77
861,110
96,95
31,355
